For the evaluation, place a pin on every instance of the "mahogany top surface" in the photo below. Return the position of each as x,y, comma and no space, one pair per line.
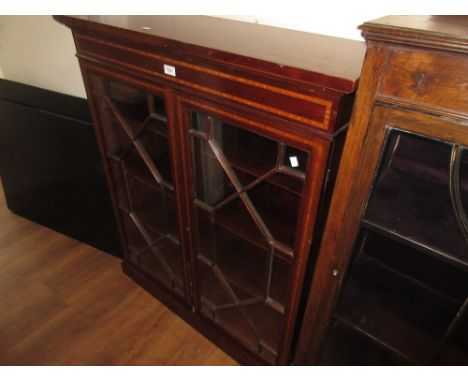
330,56
449,31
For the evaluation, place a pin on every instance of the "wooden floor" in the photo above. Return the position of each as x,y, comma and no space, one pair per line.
65,303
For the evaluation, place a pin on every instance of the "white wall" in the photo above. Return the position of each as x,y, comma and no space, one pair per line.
37,50
337,24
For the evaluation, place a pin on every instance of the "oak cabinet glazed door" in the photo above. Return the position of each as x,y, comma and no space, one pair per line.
137,140
252,193
405,298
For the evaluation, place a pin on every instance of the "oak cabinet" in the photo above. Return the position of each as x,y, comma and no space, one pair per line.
395,248
221,165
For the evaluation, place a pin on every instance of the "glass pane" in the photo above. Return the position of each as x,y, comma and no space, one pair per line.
235,217
289,183
157,108
247,209
463,180
248,151
119,181
157,148
397,309
155,207
296,159
279,210
134,127
403,298
136,241
198,121
153,214
348,347
136,166
455,351
242,265
412,196
446,279
157,126
280,279
213,185
116,138
132,103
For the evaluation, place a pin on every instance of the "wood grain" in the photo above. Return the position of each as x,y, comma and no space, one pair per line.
341,226
445,32
277,51
315,111
415,76
66,303
403,86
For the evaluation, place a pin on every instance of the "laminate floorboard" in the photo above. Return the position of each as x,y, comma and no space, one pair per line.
63,302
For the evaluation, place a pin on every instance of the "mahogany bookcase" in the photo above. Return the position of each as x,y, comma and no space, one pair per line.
221,142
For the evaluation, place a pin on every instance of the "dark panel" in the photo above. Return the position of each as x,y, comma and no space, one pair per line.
50,167
37,98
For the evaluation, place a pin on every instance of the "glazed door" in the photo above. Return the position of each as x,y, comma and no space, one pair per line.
138,144
405,298
254,189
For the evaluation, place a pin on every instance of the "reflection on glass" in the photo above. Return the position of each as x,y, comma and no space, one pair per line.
405,299
134,127
247,209
132,103
412,196
295,158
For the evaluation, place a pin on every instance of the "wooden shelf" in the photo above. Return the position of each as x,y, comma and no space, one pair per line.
347,345
151,205
171,254
135,166
279,210
235,218
287,182
244,266
158,126
455,351
155,126
257,155
134,114
238,222
247,278
170,251
400,313
261,331
445,279
292,181
418,214
258,332
246,273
